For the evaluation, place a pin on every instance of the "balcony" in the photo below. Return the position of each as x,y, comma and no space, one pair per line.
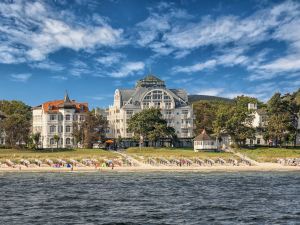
168,116
185,116
186,126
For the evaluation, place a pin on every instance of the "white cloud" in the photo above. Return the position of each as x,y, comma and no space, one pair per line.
48,65
231,29
290,63
210,91
181,81
37,30
210,64
149,33
79,68
164,33
128,69
110,59
21,77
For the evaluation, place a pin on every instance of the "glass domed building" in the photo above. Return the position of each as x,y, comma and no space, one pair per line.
151,92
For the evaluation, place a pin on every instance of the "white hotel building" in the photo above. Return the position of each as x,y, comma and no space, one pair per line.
57,118
151,92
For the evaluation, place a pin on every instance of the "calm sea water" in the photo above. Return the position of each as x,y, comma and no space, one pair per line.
150,198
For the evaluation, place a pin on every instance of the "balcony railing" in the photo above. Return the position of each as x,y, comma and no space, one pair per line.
185,126
168,116
185,116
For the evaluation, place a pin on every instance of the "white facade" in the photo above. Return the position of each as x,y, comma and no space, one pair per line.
259,122
151,92
2,133
57,118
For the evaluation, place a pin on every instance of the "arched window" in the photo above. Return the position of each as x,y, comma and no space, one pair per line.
68,117
158,99
68,141
68,129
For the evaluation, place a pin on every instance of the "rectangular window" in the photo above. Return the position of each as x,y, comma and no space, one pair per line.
60,129
184,131
168,105
52,129
258,141
82,117
146,105
68,129
52,117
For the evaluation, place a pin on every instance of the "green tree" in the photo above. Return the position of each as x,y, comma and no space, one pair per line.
93,129
56,139
149,124
205,112
17,122
235,120
17,129
77,133
282,118
34,140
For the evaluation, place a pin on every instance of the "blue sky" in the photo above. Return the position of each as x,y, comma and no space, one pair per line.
90,48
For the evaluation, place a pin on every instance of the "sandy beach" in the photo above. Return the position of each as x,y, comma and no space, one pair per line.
221,168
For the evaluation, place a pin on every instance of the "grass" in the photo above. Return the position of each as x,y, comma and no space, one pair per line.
176,153
16,154
265,154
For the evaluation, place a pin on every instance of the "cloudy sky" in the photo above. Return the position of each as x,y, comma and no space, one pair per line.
90,48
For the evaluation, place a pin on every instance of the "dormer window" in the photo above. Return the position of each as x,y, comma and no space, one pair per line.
81,107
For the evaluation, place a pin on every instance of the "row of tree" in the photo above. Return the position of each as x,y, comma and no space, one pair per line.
235,119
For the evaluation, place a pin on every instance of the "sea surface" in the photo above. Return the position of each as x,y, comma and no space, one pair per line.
150,198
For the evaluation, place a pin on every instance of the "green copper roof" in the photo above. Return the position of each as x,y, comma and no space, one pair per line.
150,81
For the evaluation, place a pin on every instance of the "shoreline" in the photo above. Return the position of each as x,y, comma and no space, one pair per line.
262,167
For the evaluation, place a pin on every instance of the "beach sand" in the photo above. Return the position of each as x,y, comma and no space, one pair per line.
219,168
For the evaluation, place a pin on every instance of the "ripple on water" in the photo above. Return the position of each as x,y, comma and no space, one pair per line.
150,198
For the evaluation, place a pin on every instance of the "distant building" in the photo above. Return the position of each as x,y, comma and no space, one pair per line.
205,142
151,92
2,133
57,118
259,122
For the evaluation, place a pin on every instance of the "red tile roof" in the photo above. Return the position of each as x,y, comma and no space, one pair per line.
53,106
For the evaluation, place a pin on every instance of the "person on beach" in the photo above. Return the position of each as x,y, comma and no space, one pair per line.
112,166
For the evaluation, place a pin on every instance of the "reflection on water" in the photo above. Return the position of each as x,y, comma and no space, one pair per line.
150,198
